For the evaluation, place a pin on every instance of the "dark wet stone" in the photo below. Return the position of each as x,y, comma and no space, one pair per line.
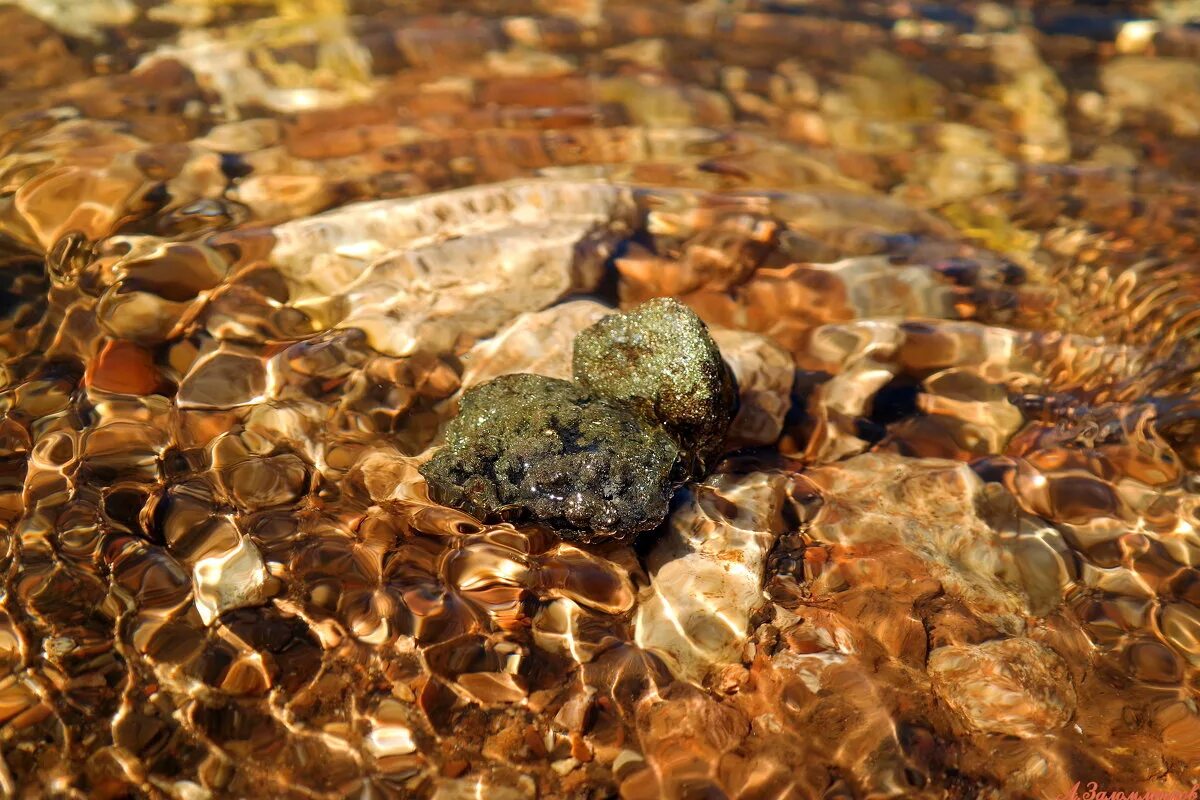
661,358
531,446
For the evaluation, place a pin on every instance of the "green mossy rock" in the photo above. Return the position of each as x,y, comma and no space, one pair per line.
661,358
527,446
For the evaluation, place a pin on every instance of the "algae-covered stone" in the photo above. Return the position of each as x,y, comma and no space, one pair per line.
531,446
661,358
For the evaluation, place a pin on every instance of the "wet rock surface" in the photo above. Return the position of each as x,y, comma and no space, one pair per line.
586,466
253,256
661,359
591,460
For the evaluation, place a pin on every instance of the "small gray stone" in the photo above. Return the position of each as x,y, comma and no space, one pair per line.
661,358
531,446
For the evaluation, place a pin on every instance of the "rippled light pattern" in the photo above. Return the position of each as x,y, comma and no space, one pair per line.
254,252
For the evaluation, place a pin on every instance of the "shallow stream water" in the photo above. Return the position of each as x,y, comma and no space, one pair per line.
254,252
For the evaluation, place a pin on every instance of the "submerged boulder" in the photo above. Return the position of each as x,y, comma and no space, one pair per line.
661,358
528,446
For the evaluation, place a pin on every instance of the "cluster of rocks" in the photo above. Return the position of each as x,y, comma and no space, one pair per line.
600,457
